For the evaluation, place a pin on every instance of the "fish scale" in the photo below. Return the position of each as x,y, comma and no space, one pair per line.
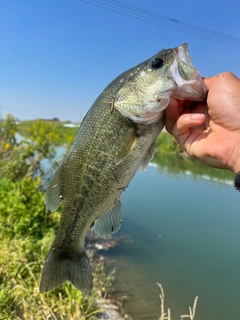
115,138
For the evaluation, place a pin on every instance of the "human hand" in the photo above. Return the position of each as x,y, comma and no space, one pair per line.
210,131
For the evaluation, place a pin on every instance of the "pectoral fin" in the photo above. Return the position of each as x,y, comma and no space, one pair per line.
148,156
110,222
53,196
126,146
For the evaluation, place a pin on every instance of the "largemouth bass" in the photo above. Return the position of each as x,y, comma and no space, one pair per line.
115,138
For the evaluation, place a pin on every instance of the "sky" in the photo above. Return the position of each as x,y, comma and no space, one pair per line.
56,56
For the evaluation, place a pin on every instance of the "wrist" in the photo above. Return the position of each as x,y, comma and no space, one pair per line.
234,161
236,168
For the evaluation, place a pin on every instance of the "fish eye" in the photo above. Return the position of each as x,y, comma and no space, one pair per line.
157,63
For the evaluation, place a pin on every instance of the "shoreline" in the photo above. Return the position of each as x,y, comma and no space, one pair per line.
111,307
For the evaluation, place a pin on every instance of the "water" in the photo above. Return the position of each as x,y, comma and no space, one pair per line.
186,235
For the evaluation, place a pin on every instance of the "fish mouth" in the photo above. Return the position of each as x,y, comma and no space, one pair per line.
189,83
183,54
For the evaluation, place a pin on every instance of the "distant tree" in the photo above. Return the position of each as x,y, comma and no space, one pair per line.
55,119
22,159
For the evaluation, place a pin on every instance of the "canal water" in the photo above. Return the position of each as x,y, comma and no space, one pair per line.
185,234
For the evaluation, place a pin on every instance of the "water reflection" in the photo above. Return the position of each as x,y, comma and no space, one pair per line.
176,165
186,235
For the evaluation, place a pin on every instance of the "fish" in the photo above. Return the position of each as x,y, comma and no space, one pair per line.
116,137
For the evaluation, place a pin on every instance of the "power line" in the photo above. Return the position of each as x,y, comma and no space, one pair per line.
170,23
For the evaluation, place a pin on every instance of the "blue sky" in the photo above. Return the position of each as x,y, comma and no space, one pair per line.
56,56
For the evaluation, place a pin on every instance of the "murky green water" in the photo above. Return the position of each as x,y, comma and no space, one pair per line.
186,235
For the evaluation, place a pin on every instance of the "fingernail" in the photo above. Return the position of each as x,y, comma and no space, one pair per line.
196,116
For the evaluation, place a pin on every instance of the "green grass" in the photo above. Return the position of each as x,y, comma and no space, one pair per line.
19,288
27,230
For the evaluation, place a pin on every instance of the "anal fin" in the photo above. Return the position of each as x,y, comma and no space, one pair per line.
110,222
53,195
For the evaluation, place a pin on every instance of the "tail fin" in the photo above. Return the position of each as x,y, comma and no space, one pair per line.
57,269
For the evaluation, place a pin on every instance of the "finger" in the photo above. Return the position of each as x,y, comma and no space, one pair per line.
208,81
172,113
224,76
181,130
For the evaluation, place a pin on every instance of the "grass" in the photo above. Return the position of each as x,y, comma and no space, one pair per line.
167,315
20,270
26,233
